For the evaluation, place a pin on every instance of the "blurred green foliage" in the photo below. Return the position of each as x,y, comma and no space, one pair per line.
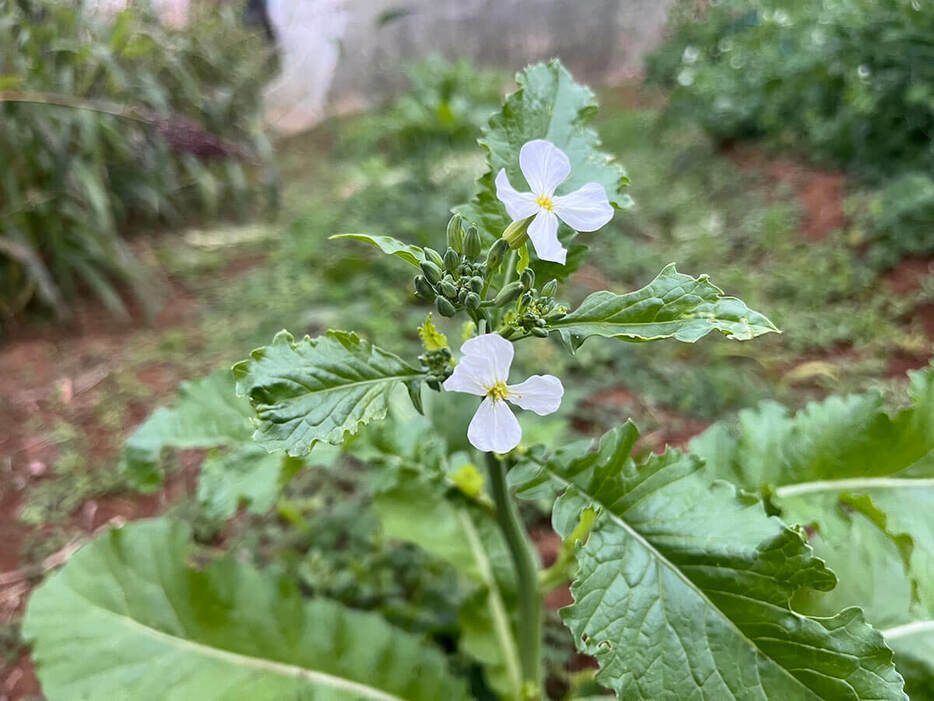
109,124
844,82
445,106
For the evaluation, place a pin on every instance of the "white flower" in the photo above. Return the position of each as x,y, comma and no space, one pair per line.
545,166
483,371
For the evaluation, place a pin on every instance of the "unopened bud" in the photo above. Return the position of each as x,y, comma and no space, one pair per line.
423,289
496,254
476,283
549,288
455,233
472,243
447,289
527,278
462,295
432,271
472,301
451,260
540,332
445,308
508,294
434,256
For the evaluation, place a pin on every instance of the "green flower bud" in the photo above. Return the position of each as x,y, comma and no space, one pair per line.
434,256
451,260
541,322
447,289
541,333
526,298
549,288
445,308
476,283
472,301
496,254
423,289
508,294
527,278
462,295
554,316
455,233
472,243
480,270
432,271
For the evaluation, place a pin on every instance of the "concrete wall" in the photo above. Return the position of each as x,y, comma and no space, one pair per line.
340,55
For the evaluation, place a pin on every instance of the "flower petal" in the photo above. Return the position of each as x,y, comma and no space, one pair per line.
543,231
585,209
540,393
494,349
519,205
494,428
471,375
544,166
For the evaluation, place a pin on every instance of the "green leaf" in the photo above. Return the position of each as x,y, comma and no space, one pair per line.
548,105
839,438
863,482
684,587
416,510
249,475
143,625
389,245
671,306
318,389
207,414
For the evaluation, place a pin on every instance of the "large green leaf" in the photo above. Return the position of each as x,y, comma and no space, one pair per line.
319,389
389,245
128,619
416,510
837,439
863,483
548,105
671,306
683,588
249,475
207,414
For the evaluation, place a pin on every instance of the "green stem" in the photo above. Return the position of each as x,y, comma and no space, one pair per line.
525,562
507,278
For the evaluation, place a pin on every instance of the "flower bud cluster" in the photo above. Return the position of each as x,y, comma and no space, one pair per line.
457,279
439,365
534,308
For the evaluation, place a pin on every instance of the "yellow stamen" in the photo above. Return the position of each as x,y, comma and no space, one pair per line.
544,201
498,391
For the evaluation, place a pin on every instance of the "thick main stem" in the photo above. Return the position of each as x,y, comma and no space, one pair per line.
525,562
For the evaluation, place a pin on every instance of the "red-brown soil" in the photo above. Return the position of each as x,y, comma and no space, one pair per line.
820,192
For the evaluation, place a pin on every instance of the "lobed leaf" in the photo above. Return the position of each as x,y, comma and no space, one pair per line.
673,305
143,625
683,588
548,105
863,482
319,389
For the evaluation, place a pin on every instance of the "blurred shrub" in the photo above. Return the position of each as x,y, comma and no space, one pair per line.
446,105
846,81
108,125
898,218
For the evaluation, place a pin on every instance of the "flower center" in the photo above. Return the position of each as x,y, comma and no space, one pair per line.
498,391
544,201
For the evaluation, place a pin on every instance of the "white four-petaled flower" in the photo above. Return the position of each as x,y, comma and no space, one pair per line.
483,371
545,166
